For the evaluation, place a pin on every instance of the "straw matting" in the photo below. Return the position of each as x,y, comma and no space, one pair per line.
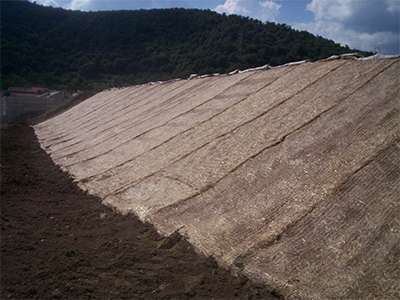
289,175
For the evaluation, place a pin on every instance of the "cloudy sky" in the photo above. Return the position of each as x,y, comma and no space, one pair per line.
370,25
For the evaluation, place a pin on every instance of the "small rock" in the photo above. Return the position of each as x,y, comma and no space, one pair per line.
190,293
32,291
56,294
170,240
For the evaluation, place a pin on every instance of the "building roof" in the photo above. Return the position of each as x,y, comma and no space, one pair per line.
27,91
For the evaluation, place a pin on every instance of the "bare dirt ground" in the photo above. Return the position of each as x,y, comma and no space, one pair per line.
58,242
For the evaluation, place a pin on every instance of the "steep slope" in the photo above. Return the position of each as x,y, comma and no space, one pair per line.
289,175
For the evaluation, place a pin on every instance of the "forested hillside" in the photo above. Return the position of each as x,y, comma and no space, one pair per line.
92,50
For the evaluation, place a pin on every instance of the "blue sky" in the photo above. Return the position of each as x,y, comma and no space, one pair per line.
360,24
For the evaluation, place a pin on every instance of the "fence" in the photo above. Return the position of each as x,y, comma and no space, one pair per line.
12,108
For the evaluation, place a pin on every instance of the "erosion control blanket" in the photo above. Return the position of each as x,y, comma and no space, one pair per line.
288,175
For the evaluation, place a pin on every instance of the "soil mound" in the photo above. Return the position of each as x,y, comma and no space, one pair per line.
57,242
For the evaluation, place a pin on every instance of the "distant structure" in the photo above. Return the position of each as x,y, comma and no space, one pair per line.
27,91
17,102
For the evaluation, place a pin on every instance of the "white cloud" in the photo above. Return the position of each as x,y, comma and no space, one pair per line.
53,3
68,4
330,10
261,10
49,3
79,5
388,42
364,25
393,6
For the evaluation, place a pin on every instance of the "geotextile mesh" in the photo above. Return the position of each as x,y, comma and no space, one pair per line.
289,175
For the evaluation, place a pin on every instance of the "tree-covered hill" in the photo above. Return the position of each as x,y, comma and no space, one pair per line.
92,50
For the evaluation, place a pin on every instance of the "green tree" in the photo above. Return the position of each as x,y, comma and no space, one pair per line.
57,47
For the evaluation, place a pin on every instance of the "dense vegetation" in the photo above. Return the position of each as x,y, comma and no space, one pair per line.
73,50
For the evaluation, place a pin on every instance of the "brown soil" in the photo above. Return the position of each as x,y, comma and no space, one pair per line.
58,242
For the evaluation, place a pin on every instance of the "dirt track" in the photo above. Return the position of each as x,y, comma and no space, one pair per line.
58,242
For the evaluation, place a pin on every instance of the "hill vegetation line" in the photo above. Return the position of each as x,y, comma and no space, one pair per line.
73,50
